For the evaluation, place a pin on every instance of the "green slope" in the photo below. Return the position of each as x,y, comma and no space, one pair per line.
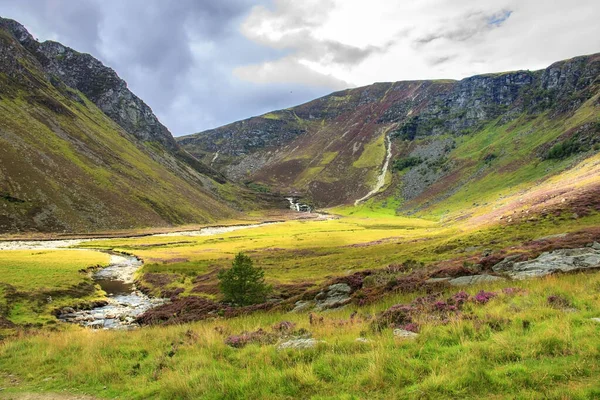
66,166
331,149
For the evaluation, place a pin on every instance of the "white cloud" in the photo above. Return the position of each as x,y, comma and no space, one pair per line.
365,42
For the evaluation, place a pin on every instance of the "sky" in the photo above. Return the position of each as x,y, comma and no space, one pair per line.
201,64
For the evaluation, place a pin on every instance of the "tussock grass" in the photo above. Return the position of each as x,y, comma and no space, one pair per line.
489,351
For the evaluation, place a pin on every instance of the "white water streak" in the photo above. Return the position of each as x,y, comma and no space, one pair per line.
381,177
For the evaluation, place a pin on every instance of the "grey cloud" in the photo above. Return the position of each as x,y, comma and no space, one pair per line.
178,56
433,61
465,27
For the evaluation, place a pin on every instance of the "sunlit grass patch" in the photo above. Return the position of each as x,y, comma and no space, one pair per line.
47,269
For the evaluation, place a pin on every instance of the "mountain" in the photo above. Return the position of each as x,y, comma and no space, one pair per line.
445,140
80,152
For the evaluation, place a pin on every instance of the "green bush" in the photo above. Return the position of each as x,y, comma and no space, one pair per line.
563,150
406,162
243,284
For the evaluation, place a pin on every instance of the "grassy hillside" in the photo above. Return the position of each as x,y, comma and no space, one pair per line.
67,167
463,134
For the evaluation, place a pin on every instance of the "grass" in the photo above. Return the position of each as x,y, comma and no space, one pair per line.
29,270
33,283
487,351
372,155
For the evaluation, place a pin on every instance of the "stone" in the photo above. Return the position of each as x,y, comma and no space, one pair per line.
298,344
96,324
301,306
505,264
596,246
596,320
474,279
68,310
334,296
402,333
362,340
563,260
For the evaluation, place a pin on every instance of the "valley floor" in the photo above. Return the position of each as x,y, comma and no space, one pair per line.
399,335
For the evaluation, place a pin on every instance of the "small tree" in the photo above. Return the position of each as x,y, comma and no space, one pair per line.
243,284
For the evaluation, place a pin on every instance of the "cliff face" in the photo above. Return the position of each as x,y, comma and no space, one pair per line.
332,149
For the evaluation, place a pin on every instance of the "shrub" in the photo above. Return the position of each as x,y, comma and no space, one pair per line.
406,162
563,150
243,284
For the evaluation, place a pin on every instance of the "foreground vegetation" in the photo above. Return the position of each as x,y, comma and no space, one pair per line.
518,345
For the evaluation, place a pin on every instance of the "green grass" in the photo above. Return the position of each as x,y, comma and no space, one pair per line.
485,353
372,155
33,283
29,270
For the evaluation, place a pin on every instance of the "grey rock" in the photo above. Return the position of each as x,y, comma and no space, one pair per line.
564,260
506,264
596,246
402,333
474,279
334,296
596,320
300,306
362,340
96,324
300,343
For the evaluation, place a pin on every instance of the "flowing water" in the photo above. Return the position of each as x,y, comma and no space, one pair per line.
381,178
124,301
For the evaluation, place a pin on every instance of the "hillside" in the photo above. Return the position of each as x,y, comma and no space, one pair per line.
450,140
79,152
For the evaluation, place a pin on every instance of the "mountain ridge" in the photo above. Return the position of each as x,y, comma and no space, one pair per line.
73,163
329,149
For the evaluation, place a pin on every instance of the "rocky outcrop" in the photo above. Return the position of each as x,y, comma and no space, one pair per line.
334,296
563,260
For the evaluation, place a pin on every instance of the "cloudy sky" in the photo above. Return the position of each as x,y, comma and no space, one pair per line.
203,63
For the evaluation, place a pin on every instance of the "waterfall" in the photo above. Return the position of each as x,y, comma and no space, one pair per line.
381,177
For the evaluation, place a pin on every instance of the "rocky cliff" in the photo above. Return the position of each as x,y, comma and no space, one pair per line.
332,149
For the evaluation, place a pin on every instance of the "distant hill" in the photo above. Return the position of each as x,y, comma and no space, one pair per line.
450,140
80,152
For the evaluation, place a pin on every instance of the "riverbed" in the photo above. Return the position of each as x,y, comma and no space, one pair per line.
124,301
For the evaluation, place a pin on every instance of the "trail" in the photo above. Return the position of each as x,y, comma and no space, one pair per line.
381,177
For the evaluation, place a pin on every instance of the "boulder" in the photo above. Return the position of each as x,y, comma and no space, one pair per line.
298,344
563,260
334,296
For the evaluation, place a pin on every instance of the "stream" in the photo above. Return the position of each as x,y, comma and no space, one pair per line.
381,177
124,301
